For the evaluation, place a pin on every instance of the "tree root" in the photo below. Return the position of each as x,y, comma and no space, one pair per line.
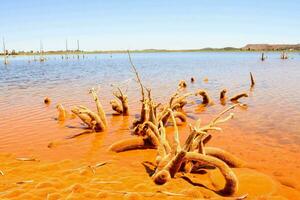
237,97
84,117
99,106
62,113
131,144
180,116
95,121
223,97
116,106
223,94
206,100
231,185
192,79
123,107
171,158
165,174
182,84
228,158
47,100
252,80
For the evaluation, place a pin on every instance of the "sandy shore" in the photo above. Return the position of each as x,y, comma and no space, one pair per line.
125,176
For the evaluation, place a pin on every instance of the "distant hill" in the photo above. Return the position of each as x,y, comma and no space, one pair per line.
248,47
271,47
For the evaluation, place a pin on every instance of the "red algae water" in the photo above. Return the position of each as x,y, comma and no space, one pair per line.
266,133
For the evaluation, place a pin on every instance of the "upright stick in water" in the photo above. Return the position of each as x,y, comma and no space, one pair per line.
61,113
123,107
252,80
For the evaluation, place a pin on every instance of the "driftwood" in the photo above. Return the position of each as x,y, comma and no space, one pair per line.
223,97
94,120
206,100
62,113
182,84
149,116
192,79
223,94
193,154
252,80
120,108
47,100
148,131
172,158
263,56
238,96
144,108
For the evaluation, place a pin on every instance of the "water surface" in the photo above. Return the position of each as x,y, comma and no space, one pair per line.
270,121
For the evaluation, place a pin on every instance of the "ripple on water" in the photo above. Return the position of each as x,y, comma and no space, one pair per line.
273,104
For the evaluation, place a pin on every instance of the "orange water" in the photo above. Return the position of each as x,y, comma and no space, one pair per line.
266,134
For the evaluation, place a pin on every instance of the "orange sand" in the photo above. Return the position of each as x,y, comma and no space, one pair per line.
123,177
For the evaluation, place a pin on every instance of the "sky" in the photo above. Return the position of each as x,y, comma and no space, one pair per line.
147,24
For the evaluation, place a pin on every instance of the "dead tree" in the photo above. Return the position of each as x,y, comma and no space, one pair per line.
193,155
122,107
94,120
143,115
149,108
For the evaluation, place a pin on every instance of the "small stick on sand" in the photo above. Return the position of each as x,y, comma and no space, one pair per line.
145,194
27,159
171,193
23,182
100,164
1,173
107,182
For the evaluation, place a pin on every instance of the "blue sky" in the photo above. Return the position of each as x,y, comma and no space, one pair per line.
144,24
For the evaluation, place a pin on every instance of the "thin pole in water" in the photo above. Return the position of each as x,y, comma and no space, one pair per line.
78,49
41,52
66,48
4,52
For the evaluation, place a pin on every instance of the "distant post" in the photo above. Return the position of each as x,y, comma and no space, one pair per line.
4,52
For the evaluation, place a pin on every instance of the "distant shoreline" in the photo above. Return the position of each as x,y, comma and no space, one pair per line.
140,51
247,48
